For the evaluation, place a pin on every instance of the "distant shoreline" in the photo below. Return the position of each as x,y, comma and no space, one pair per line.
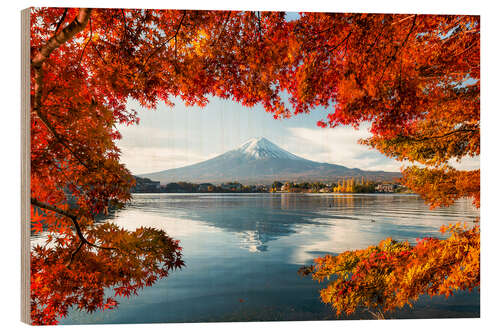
351,185
277,193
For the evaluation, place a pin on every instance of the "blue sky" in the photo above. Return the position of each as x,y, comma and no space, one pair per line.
171,137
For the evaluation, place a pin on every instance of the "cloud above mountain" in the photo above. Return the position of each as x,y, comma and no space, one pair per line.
339,146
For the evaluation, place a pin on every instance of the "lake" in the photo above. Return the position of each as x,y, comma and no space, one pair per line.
242,253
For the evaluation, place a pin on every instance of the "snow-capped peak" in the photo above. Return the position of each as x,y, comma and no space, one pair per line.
262,148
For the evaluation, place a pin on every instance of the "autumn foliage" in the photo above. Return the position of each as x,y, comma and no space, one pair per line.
85,65
414,78
63,277
394,274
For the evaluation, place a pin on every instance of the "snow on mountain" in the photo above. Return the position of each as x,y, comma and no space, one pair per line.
261,148
258,160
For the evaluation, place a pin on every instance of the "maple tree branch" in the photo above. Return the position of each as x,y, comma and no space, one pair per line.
306,270
341,42
260,28
221,30
323,31
328,47
368,52
345,48
59,139
460,130
404,19
61,20
77,25
73,218
376,315
168,40
125,26
85,46
407,35
73,254
99,53
374,42
62,37
467,49
396,50
331,48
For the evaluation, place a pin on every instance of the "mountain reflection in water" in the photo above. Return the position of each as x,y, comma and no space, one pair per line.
242,252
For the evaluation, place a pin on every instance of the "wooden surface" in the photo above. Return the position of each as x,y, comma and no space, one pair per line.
25,165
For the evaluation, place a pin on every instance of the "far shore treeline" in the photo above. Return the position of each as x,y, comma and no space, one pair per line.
350,185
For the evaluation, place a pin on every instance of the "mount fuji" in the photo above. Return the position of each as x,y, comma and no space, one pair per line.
259,161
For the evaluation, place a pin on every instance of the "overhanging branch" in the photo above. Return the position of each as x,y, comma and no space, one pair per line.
167,41
59,38
460,130
74,220
77,25
61,20
62,37
59,139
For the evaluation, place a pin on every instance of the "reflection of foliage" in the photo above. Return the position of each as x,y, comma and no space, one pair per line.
66,274
394,274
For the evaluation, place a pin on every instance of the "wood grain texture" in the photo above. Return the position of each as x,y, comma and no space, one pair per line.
25,165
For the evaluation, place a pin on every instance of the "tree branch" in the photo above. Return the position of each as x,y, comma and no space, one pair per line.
214,42
62,37
59,139
77,25
73,254
341,42
467,49
460,130
168,40
85,46
260,28
61,20
74,219
125,26
54,42
404,19
393,57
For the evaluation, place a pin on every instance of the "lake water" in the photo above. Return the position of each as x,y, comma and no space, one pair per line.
242,253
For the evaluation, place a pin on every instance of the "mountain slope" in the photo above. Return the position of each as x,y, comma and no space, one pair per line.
260,161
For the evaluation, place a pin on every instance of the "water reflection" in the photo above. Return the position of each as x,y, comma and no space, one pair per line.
242,252
331,223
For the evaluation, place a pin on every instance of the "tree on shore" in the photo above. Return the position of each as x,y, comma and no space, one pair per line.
415,78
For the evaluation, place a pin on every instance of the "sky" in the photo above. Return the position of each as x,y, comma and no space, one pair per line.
172,137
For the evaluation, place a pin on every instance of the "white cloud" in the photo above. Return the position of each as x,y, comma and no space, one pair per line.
338,146
141,160
145,136
147,149
466,163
